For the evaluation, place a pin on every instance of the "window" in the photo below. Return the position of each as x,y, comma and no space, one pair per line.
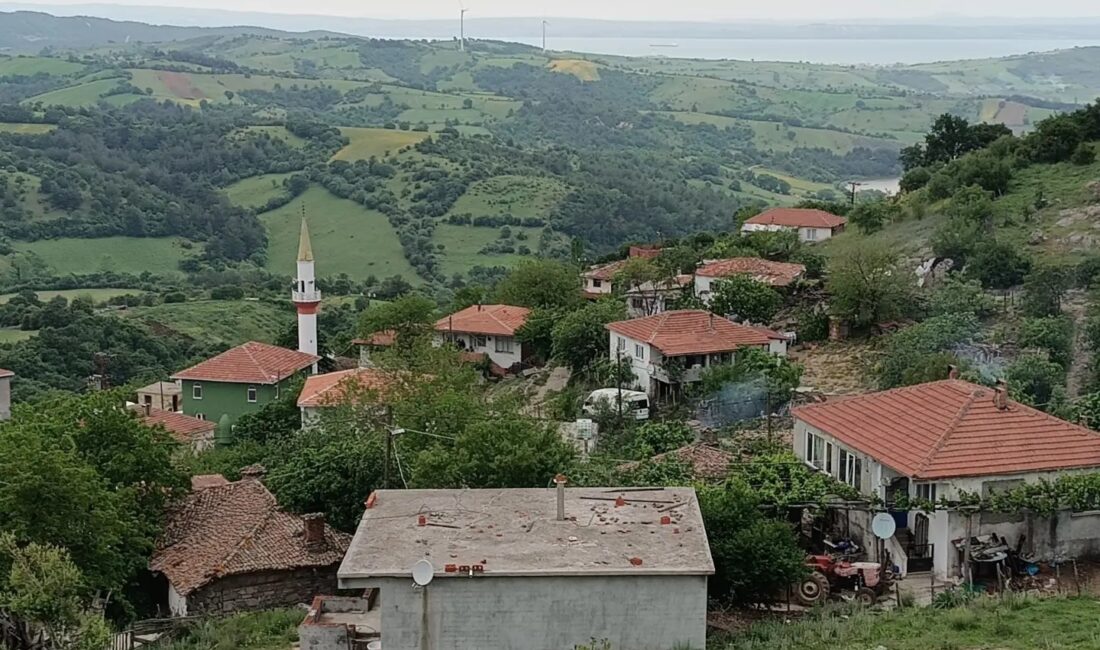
819,453
639,351
851,468
196,391
480,341
252,394
811,234
504,344
148,400
597,283
200,416
637,303
620,345
927,492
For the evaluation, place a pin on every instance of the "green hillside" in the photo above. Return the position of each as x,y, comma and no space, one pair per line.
221,322
118,254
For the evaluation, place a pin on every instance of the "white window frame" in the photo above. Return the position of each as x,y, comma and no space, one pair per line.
849,468
252,394
480,341
504,345
819,452
811,234
639,351
928,492
620,345
196,391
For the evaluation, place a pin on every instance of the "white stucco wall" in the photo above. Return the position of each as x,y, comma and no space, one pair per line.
804,234
604,288
177,604
703,287
470,343
643,367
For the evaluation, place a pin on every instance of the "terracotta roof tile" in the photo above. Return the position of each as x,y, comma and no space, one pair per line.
706,461
184,428
335,387
952,428
493,320
605,271
383,339
777,274
233,529
250,363
645,252
203,481
6,373
797,218
678,333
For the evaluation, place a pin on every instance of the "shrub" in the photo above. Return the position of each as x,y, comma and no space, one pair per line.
175,297
1084,154
227,292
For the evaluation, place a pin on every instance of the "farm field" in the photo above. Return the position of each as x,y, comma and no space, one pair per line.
521,196
95,295
84,94
346,237
223,322
32,65
367,142
256,191
159,255
11,335
277,132
28,129
462,246
579,68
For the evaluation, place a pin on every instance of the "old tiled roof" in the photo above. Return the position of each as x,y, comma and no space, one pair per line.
605,271
383,339
334,388
203,481
706,461
183,428
250,363
233,529
797,218
645,252
692,331
953,428
778,274
771,334
494,320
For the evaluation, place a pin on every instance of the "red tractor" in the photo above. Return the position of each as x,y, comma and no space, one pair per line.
829,574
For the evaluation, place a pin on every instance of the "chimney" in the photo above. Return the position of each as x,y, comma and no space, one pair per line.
560,481
1000,395
952,372
314,526
712,321
253,472
479,306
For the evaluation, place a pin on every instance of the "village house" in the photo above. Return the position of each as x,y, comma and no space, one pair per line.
486,331
940,440
673,348
161,395
554,568
375,342
650,298
191,433
598,281
228,547
811,225
238,381
774,274
339,388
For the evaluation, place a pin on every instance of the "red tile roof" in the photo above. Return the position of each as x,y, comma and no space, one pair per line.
771,334
705,461
234,529
778,274
493,320
333,388
250,363
645,252
184,428
605,271
952,428
6,373
679,333
797,218
383,339
203,481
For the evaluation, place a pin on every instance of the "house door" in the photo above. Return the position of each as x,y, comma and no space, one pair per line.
897,489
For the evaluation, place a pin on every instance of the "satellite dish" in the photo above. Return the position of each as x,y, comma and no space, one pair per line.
883,525
423,572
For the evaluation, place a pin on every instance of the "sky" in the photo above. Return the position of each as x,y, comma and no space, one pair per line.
723,10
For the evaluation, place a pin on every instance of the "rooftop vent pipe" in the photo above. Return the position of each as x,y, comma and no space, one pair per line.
560,481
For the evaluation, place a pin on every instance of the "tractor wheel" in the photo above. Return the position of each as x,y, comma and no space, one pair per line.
866,597
813,590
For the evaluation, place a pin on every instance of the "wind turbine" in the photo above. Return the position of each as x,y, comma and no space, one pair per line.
544,24
462,26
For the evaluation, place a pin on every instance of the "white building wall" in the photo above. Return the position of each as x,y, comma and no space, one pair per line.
643,366
486,345
604,286
703,287
804,234
177,604
5,398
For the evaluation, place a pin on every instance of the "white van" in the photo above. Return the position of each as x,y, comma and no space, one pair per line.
635,404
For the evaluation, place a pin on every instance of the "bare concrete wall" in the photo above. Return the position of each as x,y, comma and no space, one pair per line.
545,613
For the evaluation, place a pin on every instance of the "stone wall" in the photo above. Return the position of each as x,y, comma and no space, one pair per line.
262,590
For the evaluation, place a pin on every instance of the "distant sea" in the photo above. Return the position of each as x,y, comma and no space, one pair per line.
830,50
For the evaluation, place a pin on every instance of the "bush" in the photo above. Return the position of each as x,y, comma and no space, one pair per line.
1036,380
997,265
958,296
908,349
1053,334
915,179
1084,154
175,297
227,292
813,325
746,298
1044,289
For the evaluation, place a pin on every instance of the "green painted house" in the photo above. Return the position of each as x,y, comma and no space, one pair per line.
238,381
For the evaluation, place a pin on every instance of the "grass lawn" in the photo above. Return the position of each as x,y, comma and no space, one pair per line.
229,322
84,94
32,65
347,238
278,133
33,129
1012,624
522,196
95,295
255,191
159,255
10,335
367,142
463,243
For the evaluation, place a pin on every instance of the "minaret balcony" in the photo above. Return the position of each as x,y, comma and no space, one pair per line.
305,296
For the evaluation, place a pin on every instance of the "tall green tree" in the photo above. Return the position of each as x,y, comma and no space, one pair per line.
868,285
541,284
580,338
746,299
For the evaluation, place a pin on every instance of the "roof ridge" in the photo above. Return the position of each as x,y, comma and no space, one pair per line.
936,448
247,347
273,505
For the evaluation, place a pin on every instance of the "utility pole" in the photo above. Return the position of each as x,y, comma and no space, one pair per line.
462,29
619,381
854,185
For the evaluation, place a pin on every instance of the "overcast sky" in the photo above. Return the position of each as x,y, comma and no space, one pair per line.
788,10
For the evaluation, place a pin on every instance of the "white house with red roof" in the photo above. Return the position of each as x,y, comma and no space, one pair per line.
811,225
488,330
938,440
334,389
773,274
674,347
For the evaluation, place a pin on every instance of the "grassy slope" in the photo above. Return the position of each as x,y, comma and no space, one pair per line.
256,190
463,243
32,129
347,238
228,322
522,196
1049,624
31,65
159,255
95,295
366,142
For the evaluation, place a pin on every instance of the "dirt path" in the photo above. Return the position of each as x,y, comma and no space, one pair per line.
558,379
1076,306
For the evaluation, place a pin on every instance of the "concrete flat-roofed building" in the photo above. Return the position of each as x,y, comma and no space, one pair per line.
811,225
161,395
539,569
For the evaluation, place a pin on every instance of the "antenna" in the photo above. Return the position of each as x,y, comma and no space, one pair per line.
423,572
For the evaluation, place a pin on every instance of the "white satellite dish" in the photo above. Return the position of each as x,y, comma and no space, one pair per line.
423,572
883,525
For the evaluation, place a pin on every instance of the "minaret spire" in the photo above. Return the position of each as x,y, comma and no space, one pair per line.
306,297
